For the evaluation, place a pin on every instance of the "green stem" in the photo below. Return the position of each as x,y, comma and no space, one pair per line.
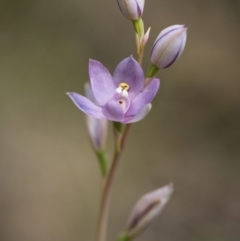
140,53
124,237
138,27
118,126
101,155
120,140
152,71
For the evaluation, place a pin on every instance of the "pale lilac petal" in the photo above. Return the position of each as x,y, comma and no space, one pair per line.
86,105
113,110
102,83
139,116
130,72
176,50
141,4
167,31
131,10
97,128
168,46
144,97
89,93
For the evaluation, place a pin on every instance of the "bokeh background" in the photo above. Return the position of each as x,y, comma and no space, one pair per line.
49,177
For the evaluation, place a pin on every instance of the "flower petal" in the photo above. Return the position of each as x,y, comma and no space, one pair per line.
144,97
86,105
168,30
131,10
168,46
139,116
89,93
97,128
102,83
130,72
113,110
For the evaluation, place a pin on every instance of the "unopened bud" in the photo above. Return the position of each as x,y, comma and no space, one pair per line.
97,128
168,46
131,9
146,209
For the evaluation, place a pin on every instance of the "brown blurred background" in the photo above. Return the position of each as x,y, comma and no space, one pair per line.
49,177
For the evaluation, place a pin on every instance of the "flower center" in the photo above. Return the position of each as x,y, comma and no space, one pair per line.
123,89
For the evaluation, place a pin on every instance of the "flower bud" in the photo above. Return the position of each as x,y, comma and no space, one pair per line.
131,9
147,208
168,46
97,128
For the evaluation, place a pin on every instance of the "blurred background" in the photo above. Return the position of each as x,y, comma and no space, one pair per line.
49,177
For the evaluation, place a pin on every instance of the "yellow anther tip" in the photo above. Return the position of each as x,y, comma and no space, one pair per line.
124,86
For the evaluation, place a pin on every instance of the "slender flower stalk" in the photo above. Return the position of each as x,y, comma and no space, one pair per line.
120,140
124,98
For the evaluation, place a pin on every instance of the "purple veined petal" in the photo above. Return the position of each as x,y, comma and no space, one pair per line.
86,105
102,83
115,108
168,46
144,97
141,4
132,9
139,116
175,50
129,9
168,30
130,72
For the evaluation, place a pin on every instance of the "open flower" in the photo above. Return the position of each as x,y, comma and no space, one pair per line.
121,97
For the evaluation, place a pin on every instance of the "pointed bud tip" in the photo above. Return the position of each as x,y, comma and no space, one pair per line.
146,36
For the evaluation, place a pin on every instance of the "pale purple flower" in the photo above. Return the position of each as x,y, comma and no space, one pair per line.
168,46
97,128
131,9
121,97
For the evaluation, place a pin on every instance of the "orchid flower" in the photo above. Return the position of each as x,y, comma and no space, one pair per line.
122,97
